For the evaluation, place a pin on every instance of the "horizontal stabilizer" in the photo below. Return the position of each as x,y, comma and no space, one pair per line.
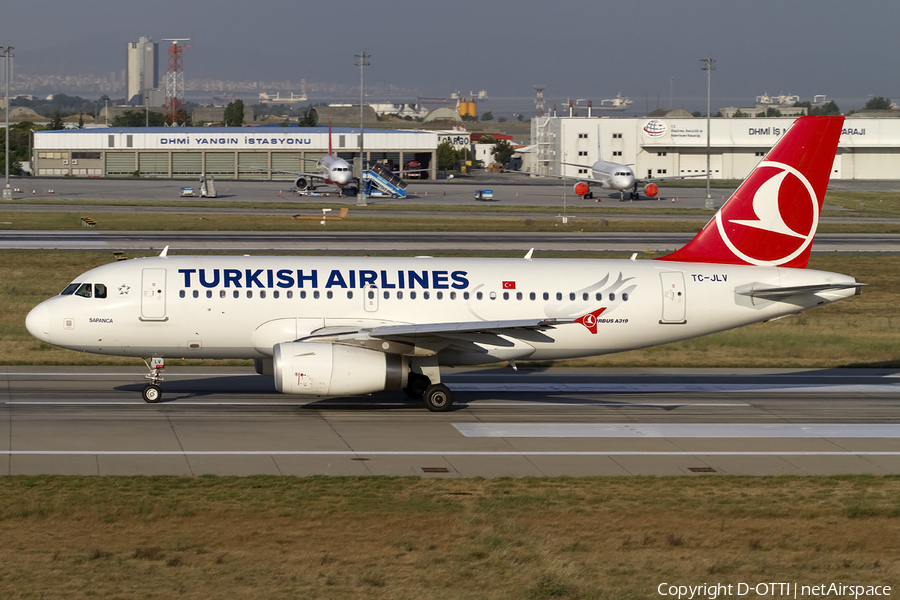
763,290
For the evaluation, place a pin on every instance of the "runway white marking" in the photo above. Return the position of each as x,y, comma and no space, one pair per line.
124,375
678,430
363,403
488,453
657,388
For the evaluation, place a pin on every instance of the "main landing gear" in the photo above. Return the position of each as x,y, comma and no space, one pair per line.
435,397
151,392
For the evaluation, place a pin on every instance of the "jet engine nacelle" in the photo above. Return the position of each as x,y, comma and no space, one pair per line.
651,190
301,183
582,189
325,369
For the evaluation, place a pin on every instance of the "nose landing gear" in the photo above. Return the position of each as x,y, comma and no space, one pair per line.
151,392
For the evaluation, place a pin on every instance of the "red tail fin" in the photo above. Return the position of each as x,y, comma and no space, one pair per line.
771,219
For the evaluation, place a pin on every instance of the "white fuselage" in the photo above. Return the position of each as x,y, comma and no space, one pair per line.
241,307
613,175
335,170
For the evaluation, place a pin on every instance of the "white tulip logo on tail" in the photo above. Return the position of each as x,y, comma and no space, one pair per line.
773,250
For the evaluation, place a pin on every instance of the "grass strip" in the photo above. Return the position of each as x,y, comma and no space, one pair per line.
397,538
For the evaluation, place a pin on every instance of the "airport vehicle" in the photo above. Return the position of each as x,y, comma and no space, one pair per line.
332,326
207,186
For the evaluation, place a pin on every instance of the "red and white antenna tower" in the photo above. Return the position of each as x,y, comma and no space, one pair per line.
175,113
539,101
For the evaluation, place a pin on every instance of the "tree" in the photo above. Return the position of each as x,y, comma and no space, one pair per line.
308,119
830,108
56,122
503,152
738,114
234,114
878,103
488,116
447,156
772,112
487,139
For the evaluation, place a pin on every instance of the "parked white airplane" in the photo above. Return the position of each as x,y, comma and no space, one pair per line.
618,177
339,326
331,169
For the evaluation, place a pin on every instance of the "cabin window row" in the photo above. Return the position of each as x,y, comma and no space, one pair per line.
412,295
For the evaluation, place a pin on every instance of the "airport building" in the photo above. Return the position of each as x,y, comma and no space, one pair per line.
224,152
143,69
664,147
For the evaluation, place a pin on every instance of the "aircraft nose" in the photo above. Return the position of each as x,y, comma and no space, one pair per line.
38,322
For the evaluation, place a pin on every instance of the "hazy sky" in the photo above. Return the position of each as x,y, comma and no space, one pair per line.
577,48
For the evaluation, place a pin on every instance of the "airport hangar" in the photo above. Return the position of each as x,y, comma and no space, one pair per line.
665,147
224,152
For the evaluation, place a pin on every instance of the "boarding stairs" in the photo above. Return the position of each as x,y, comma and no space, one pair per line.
376,176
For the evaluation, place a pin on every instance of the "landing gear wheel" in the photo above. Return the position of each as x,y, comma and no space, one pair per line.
416,386
438,398
151,394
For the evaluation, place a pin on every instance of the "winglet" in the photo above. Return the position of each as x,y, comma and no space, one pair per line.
528,256
165,252
771,219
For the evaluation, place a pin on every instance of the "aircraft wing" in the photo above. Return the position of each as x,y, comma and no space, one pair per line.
668,178
495,327
249,169
641,180
431,338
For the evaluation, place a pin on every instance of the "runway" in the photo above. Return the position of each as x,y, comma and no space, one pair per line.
542,422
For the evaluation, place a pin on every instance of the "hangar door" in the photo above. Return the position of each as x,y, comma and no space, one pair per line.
120,164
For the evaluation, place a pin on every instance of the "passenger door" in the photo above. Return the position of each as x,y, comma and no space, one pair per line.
153,295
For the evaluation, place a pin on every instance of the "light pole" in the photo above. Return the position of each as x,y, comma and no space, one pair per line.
7,56
362,63
709,67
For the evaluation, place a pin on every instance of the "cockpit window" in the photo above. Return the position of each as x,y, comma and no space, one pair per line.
85,290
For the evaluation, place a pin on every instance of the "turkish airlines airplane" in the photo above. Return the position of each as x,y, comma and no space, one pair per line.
334,326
